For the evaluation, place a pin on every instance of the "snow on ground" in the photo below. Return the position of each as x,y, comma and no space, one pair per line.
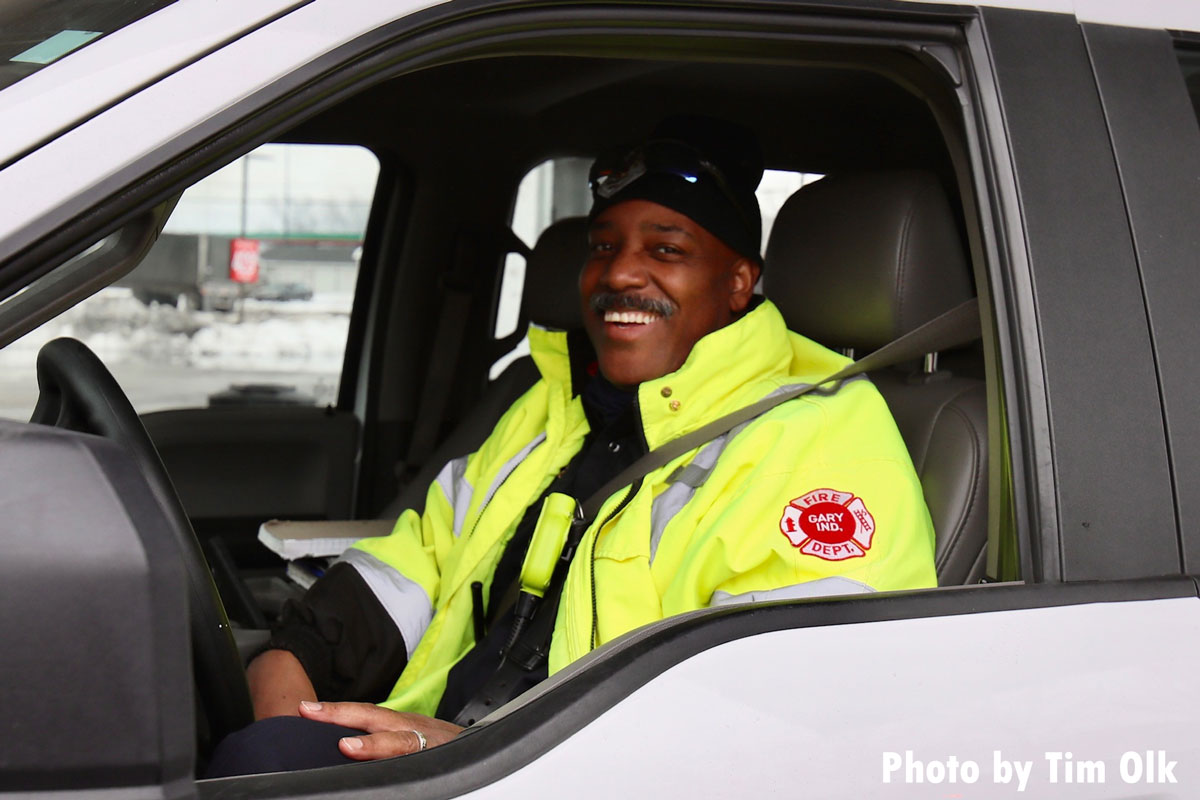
314,343
294,342
271,337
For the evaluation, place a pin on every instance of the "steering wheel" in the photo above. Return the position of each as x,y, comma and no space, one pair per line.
77,392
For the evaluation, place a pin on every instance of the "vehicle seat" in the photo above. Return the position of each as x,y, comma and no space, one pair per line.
855,261
550,299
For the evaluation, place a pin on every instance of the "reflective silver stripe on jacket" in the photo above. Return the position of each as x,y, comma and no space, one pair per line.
508,467
686,480
684,483
458,491
404,600
825,587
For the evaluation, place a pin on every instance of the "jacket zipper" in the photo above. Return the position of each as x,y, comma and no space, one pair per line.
633,488
483,508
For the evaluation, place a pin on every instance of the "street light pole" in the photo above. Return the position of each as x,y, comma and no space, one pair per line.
241,301
245,191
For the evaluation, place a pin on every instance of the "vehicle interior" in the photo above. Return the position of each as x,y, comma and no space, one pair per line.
880,244
450,176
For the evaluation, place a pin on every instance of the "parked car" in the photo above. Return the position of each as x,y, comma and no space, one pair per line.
1061,140
219,294
281,291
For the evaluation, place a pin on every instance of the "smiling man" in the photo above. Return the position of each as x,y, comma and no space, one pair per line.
815,497
656,283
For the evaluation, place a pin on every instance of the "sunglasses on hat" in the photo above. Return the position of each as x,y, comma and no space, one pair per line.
620,168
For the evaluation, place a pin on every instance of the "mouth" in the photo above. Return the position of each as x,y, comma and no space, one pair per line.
625,317
626,314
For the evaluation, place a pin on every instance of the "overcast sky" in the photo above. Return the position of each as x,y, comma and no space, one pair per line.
291,189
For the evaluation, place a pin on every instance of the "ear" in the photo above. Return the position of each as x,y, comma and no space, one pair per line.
742,278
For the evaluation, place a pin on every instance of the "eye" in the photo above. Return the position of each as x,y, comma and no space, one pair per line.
600,247
668,249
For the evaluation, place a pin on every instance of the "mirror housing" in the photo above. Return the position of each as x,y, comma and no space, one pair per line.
97,682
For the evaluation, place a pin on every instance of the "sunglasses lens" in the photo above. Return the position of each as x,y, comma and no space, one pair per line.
618,169
613,173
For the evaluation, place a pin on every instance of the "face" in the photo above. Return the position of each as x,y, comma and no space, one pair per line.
655,283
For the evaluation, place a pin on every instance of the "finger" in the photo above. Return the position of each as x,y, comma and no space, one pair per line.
380,745
364,716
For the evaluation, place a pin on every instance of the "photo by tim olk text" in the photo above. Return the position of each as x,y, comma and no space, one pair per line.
1056,767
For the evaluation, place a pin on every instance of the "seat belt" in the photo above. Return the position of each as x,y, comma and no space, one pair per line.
533,626
957,326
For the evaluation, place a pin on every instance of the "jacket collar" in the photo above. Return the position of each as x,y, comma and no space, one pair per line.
728,369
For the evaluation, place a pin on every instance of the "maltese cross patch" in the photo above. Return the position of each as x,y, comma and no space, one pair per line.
828,524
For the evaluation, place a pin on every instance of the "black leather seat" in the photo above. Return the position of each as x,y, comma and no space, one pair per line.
551,299
855,261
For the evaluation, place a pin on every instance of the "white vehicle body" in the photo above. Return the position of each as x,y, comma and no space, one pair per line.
816,707
866,709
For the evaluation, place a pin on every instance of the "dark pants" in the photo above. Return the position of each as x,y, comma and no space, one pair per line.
279,744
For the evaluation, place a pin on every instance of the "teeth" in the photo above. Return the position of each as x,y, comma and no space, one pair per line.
630,317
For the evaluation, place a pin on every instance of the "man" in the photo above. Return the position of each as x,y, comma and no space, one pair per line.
817,496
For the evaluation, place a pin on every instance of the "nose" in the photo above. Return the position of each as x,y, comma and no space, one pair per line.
625,270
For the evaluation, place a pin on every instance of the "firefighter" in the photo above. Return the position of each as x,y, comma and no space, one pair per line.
816,496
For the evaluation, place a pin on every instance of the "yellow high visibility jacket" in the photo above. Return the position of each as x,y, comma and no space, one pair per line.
817,496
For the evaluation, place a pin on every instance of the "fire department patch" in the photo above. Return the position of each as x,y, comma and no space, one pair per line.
828,524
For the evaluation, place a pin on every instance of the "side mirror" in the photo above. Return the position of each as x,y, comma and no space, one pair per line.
96,670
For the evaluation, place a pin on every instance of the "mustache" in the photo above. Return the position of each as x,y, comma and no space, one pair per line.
606,301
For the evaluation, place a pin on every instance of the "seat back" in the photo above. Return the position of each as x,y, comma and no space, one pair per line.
551,299
551,294
855,261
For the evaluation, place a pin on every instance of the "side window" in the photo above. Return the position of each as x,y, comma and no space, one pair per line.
1189,62
558,188
553,190
245,297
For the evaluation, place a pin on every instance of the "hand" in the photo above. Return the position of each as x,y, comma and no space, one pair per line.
389,733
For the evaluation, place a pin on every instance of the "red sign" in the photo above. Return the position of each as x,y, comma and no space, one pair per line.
243,260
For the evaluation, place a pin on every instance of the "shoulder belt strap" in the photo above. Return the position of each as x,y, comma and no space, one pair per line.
957,326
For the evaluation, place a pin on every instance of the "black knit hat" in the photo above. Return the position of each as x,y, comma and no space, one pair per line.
706,169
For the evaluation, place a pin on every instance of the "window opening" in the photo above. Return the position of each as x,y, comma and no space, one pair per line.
181,330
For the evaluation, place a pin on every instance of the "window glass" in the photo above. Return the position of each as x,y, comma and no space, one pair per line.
181,330
34,33
551,191
1189,62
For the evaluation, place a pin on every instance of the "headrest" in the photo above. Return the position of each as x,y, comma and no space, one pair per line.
859,260
551,294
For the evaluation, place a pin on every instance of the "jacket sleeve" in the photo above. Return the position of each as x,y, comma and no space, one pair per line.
346,642
358,625
804,510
